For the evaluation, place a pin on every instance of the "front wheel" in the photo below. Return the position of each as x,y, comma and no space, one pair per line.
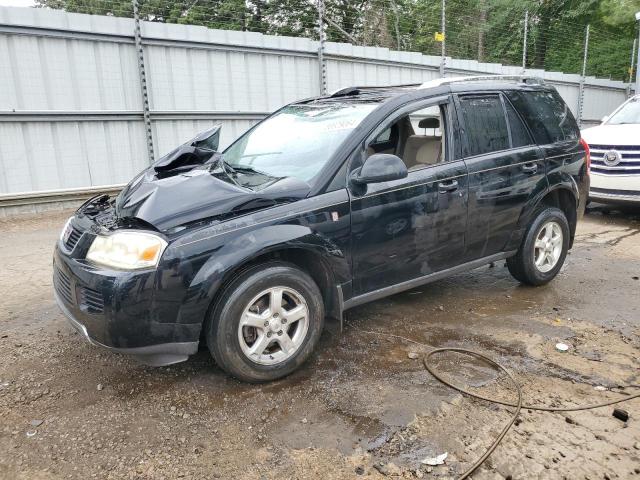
543,250
267,323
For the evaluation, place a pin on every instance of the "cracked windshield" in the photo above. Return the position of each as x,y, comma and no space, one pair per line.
297,141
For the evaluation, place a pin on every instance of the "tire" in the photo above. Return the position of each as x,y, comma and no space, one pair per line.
523,266
265,329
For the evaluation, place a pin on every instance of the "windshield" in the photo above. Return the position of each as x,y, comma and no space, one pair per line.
298,140
630,113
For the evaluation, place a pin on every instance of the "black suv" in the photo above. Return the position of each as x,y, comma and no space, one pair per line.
328,203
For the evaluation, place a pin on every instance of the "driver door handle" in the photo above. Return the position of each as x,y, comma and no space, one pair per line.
530,167
448,186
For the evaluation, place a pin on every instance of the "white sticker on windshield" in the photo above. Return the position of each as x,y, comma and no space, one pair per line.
342,124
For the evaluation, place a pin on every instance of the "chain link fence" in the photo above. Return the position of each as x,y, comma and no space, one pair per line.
533,34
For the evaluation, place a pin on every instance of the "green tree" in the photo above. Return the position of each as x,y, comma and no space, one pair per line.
484,30
619,12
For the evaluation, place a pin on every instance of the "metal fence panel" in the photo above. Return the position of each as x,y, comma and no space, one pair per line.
600,101
39,155
71,112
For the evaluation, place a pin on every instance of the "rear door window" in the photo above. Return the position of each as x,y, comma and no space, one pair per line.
485,124
548,117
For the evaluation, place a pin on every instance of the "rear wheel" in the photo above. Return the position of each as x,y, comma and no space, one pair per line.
267,324
543,250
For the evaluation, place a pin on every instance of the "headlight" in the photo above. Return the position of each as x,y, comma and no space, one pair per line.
127,250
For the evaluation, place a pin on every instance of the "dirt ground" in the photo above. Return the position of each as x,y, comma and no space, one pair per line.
363,407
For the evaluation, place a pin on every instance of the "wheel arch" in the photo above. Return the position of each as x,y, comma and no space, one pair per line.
306,259
563,197
566,200
298,245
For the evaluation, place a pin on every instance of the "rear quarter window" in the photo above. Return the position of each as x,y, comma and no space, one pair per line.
548,117
519,135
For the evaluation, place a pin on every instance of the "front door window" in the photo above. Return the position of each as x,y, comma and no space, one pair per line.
410,228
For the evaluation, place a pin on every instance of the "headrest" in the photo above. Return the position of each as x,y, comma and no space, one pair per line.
431,122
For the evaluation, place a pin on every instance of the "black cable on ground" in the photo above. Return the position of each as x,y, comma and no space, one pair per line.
519,405
485,359
427,359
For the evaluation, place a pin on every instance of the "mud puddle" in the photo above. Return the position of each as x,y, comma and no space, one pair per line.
362,401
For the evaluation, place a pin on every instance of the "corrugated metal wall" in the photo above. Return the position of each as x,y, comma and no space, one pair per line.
70,98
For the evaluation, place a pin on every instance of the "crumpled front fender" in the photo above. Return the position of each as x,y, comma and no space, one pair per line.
242,249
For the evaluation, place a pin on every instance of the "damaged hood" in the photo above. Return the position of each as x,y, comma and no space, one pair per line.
197,194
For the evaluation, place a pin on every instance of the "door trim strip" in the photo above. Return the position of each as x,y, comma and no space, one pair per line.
416,282
407,187
537,159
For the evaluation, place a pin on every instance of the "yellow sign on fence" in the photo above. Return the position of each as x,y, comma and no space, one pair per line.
439,37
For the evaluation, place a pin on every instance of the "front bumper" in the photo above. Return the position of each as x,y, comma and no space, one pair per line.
152,355
620,189
118,311
614,196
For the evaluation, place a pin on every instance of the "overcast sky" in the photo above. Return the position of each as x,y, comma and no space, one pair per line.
16,3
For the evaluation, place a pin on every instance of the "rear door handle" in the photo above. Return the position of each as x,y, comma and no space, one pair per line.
448,186
530,167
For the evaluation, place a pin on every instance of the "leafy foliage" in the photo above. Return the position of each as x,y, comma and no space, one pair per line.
483,30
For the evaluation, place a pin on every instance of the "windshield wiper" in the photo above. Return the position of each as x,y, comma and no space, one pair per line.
232,171
249,168
253,155
227,166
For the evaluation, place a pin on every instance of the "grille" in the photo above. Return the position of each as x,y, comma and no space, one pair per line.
91,300
73,239
62,284
629,159
620,148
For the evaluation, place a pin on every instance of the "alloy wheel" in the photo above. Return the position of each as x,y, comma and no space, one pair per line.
273,326
548,247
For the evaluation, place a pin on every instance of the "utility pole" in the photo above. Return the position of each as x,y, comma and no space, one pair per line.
637,91
146,114
582,77
633,61
481,24
444,39
396,22
321,64
524,41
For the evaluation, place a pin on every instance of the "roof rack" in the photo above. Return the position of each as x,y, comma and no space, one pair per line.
529,79
355,90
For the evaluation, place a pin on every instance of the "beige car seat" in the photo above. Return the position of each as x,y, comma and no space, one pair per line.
421,149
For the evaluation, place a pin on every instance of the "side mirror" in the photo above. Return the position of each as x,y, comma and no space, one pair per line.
605,118
380,167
